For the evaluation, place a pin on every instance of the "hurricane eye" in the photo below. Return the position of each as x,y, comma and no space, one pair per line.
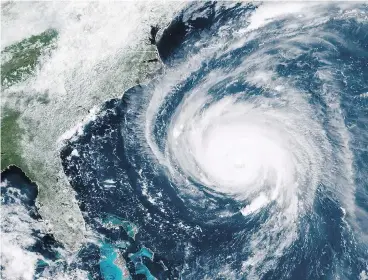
184,140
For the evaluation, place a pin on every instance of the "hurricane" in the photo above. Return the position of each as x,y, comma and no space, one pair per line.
253,115
245,157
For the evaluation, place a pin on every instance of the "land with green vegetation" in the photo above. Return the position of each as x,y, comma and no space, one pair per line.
11,133
34,120
18,62
20,59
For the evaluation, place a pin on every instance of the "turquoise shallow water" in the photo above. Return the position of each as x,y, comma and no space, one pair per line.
108,264
293,85
298,82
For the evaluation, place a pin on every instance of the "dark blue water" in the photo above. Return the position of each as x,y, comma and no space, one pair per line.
141,212
18,198
193,241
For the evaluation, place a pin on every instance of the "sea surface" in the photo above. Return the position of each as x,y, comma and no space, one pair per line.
245,158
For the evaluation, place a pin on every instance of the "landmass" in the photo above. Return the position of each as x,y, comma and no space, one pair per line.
37,117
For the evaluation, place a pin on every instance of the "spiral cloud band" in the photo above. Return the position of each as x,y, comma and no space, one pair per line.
245,157
247,126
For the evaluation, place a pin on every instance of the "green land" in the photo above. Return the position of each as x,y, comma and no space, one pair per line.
18,63
20,59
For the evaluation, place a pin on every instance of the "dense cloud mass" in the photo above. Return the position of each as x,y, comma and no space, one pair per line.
244,157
